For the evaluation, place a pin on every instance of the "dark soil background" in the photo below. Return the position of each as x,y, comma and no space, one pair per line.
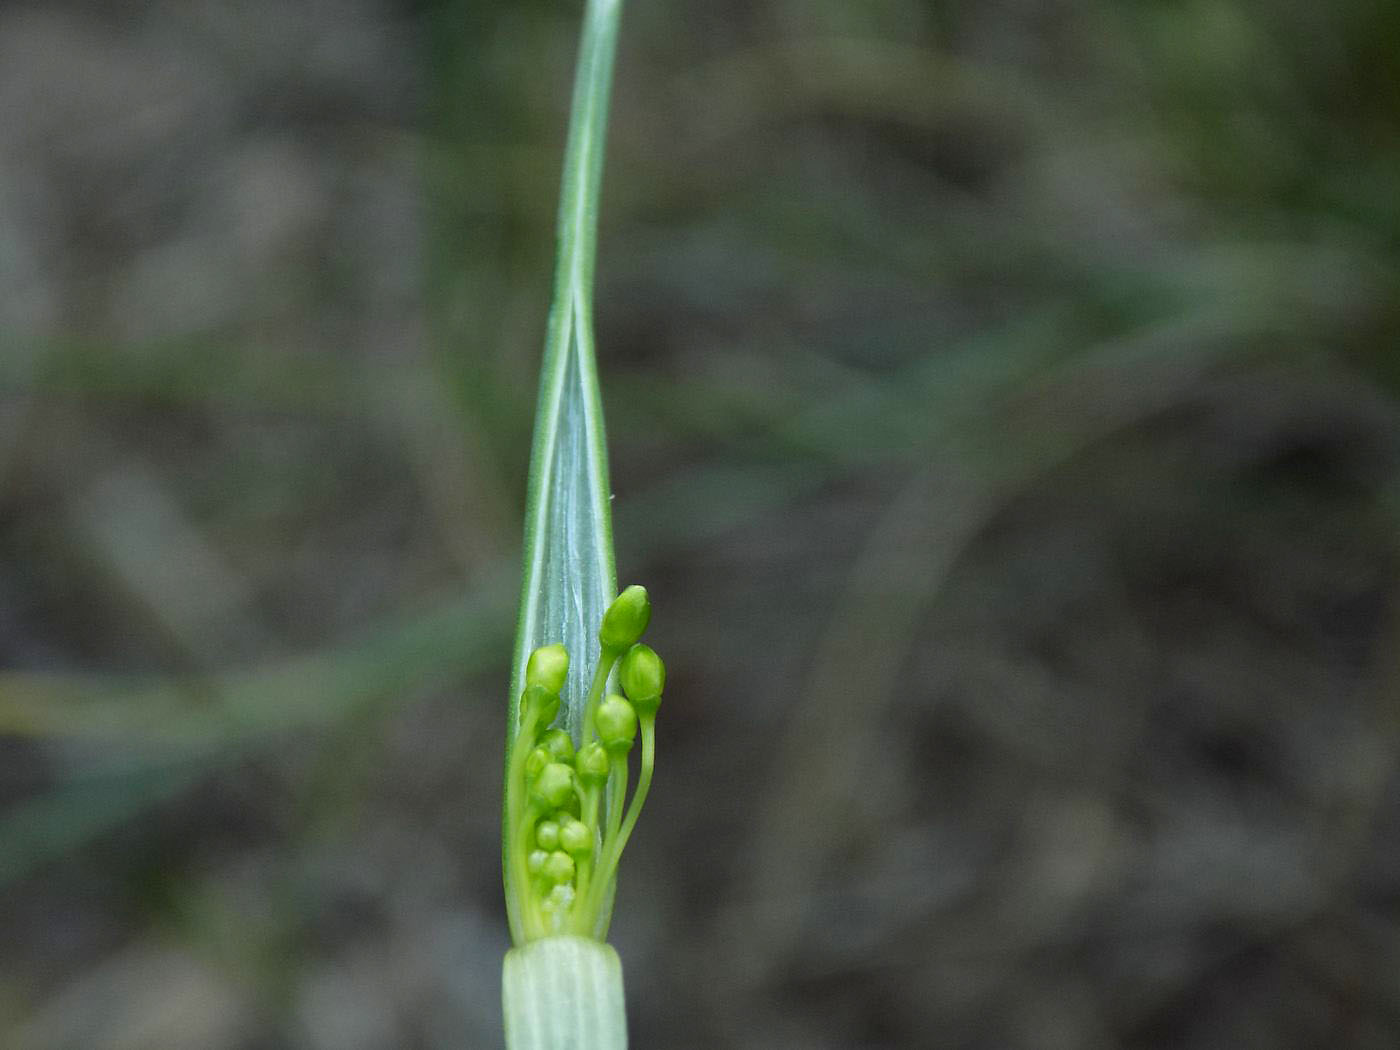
1002,402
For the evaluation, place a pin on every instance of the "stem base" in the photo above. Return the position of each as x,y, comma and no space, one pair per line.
563,993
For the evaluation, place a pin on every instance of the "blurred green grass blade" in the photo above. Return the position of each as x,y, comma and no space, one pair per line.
157,739
39,830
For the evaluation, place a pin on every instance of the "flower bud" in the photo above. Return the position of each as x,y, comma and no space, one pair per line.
627,617
548,666
547,835
554,786
559,745
559,867
534,863
593,764
643,676
535,763
538,703
616,722
576,838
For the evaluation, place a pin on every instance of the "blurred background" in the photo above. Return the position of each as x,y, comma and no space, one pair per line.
1002,404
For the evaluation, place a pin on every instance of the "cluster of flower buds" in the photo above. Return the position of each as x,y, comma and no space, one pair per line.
565,821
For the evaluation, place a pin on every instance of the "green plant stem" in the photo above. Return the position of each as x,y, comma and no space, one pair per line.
569,575
585,871
606,662
517,825
532,920
617,795
564,993
607,865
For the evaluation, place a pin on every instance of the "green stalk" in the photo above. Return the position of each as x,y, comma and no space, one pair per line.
562,991
569,575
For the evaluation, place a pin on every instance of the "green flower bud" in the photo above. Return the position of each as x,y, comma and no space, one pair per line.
627,617
593,764
535,763
547,835
548,666
576,838
561,898
559,867
617,723
555,784
539,703
534,863
643,677
559,745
